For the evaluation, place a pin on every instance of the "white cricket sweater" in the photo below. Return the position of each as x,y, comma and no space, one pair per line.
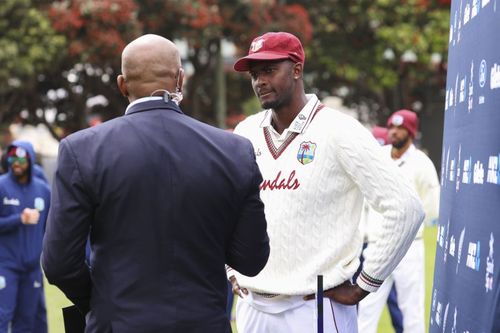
315,177
418,169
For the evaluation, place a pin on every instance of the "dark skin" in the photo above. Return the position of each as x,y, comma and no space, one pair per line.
400,139
20,171
149,63
278,85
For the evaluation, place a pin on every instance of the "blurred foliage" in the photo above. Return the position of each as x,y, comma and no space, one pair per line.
377,55
28,44
28,47
202,24
96,31
380,54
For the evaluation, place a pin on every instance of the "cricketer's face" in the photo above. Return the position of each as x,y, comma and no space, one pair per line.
19,166
398,136
272,82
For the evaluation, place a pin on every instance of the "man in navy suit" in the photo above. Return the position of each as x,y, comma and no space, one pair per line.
167,201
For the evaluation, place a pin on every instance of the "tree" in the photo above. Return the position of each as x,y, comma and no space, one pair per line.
376,54
28,47
379,53
97,31
203,24
91,35
382,55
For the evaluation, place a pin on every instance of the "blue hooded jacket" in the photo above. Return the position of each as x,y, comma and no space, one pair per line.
21,245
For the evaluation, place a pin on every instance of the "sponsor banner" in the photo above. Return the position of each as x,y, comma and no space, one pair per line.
465,296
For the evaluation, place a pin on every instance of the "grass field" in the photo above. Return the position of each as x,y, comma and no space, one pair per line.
56,300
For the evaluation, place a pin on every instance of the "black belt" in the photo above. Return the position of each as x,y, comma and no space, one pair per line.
266,295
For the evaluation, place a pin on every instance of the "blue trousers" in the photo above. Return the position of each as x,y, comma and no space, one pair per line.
230,299
40,325
395,311
19,298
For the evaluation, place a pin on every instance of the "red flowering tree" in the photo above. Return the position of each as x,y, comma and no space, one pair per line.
96,33
97,30
79,89
203,24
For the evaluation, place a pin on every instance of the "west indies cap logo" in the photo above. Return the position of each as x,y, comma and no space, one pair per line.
39,204
17,152
256,45
397,120
306,152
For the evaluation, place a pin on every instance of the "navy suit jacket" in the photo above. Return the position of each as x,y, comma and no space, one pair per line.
167,201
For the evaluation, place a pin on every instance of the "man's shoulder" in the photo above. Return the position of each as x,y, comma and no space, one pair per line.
7,184
419,156
109,131
251,123
422,159
4,179
331,112
41,185
336,119
215,133
339,126
90,132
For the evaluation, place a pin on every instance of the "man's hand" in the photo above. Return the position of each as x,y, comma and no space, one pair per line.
30,216
346,293
236,287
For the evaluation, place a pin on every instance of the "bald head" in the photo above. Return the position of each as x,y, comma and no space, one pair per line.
149,62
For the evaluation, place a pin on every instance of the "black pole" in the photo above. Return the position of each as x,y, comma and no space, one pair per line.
319,300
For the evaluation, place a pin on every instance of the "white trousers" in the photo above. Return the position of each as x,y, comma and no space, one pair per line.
409,280
292,314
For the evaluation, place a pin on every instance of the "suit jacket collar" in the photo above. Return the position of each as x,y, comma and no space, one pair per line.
152,104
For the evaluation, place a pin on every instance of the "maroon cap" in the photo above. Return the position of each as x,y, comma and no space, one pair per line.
404,118
380,133
272,46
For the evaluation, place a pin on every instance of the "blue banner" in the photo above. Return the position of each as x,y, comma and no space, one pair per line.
465,295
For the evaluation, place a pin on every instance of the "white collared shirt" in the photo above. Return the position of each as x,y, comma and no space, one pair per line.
298,125
142,100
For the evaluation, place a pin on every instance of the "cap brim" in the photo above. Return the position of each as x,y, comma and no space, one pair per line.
242,64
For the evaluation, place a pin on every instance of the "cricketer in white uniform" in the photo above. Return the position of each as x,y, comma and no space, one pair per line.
318,165
408,277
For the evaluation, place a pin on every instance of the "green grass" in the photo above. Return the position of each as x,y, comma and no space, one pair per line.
56,300
430,234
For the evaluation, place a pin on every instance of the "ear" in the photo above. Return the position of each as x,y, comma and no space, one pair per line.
297,70
180,80
120,81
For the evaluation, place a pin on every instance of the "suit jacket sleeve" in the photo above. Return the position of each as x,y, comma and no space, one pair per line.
249,248
68,225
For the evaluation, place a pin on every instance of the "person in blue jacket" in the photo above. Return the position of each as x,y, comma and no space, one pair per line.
40,325
24,204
